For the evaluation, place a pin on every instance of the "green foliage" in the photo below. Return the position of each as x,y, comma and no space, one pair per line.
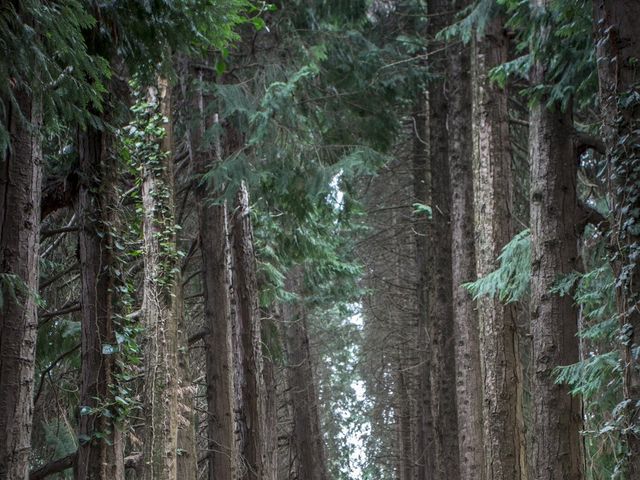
473,20
567,51
510,281
11,286
43,52
597,378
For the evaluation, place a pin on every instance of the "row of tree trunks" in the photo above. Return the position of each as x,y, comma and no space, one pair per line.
20,189
617,24
467,352
159,305
493,212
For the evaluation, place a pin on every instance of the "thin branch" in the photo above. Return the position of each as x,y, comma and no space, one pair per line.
45,283
51,367
55,466
585,142
63,311
56,231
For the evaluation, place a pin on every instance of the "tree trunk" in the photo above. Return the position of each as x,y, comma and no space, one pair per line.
421,179
308,438
446,451
269,330
20,185
187,466
212,225
405,444
557,416
99,456
467,342
617,24
158,305
493,210
247,314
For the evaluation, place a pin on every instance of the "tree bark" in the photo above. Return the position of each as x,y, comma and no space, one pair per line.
446,451
187,466
466,334
557,416
20,186
421,187
617,24
158,305
100,449
247,313
493,210
269,330
214,246
309,446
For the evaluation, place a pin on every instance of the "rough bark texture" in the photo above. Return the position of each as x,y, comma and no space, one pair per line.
443,399
187,466
467,342
557,415
271,401
102,457
421,179
158,306
311,462
493,210
617,25
406,454
247,313
20,185
212,225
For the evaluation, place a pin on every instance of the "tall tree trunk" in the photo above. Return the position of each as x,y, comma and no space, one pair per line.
467,341
20,185
269,330
421,182
443,399
617,24
557,416
493,210
187,466
308,438
247,314
405,444
99,456
214,246
159,307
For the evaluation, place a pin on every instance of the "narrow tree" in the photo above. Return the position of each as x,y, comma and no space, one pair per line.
467,342
214,247
100,450
493,210
20,184
446,451
421,188
247,313
557,415
159,307
309,445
